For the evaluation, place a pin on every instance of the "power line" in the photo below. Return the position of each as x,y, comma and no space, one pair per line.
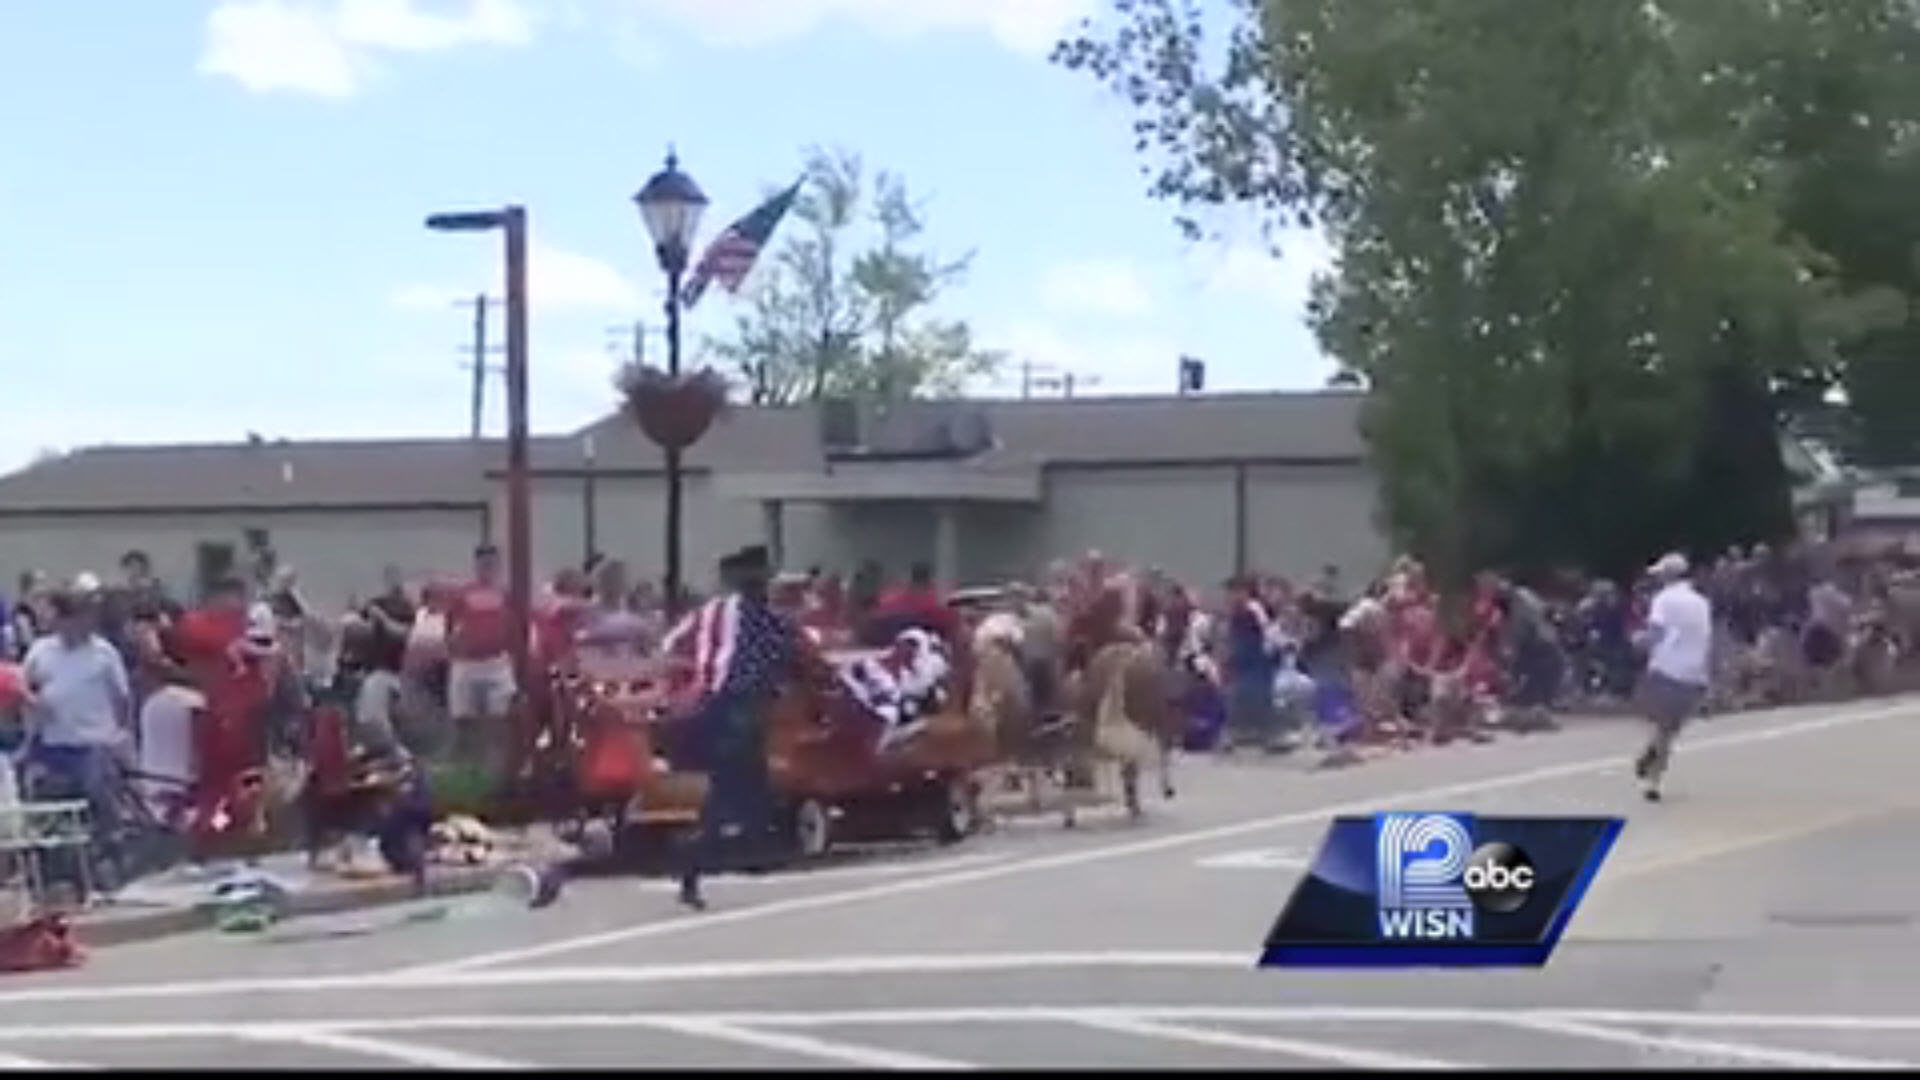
628,342
1046,378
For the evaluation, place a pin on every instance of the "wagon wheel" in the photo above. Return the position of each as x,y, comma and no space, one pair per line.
812,829
959,810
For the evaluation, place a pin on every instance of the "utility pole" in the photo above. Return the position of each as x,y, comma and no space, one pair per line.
477,365
1043,379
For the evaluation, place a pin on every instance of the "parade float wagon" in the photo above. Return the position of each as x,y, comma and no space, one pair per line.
840,770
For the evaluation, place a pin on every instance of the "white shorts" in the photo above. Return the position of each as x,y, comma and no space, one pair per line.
480,689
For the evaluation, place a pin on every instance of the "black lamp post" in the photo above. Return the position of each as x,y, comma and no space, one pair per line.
512,222
671,205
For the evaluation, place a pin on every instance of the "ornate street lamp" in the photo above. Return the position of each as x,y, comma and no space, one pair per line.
673,410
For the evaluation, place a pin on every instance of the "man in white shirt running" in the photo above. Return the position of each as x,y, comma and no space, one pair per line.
1679,643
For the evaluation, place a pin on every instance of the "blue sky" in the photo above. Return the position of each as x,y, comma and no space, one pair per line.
211,211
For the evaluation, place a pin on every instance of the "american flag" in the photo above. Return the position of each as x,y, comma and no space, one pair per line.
731,255
733,646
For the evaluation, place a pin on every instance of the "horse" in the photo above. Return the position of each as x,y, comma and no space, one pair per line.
1123,713
1000,699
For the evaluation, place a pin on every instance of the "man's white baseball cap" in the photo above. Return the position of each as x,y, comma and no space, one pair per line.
1671,565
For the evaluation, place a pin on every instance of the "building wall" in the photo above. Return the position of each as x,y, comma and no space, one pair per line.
1197,521
1300,519
338,555
1184,519
630,524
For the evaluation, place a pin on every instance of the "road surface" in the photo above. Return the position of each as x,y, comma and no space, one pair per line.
1763,916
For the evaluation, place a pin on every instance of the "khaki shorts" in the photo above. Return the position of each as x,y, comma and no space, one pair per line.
479,689
1668,702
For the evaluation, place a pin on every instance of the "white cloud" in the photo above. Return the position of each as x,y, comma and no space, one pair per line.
328,48
1096,287
1027,26
557,280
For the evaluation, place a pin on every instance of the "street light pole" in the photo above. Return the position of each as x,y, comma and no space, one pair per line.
512,221
676,483
519,493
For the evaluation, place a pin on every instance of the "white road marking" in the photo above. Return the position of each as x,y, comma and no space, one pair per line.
408,1054
843,873
16,1063
1258,859
1744,1020
865,1057
1148,1021
1348,1057
702,971
1714,1050
1165,842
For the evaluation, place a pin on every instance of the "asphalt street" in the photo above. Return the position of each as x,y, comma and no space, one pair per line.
1763,916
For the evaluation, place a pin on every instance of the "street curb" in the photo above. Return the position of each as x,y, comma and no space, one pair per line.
133,927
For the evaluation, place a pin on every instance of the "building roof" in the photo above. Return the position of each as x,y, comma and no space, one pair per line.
1146,430
1299,427
253,475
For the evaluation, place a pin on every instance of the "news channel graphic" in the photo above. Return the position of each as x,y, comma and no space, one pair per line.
1424,889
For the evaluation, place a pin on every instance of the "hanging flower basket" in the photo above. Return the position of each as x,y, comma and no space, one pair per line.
673,412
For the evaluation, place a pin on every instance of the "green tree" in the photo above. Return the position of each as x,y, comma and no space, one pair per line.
847,308
1565,269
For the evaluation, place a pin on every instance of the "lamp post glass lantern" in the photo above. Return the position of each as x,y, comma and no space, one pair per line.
671,205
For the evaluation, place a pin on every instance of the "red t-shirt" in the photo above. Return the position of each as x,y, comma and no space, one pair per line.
13,689
210,643
922,605
477,623
555,625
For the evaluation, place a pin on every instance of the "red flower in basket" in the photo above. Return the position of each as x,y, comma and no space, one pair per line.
675,412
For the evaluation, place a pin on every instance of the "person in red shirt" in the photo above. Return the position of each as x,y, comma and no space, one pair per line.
235,676
480,685
918,603
480,681
557,619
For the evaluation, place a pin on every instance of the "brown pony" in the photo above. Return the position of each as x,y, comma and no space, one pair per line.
1124,713
1119,695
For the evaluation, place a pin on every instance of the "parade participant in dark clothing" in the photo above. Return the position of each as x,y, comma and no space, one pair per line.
389,621
1320,655
134,608
1532,656
1250,666
755,649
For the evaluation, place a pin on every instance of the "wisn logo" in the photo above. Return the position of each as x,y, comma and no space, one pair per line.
1431,877
1421,889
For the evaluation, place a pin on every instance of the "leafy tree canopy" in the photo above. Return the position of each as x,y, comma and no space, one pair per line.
1584,252
846,306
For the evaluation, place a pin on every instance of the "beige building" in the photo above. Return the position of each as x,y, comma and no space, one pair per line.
1201,486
